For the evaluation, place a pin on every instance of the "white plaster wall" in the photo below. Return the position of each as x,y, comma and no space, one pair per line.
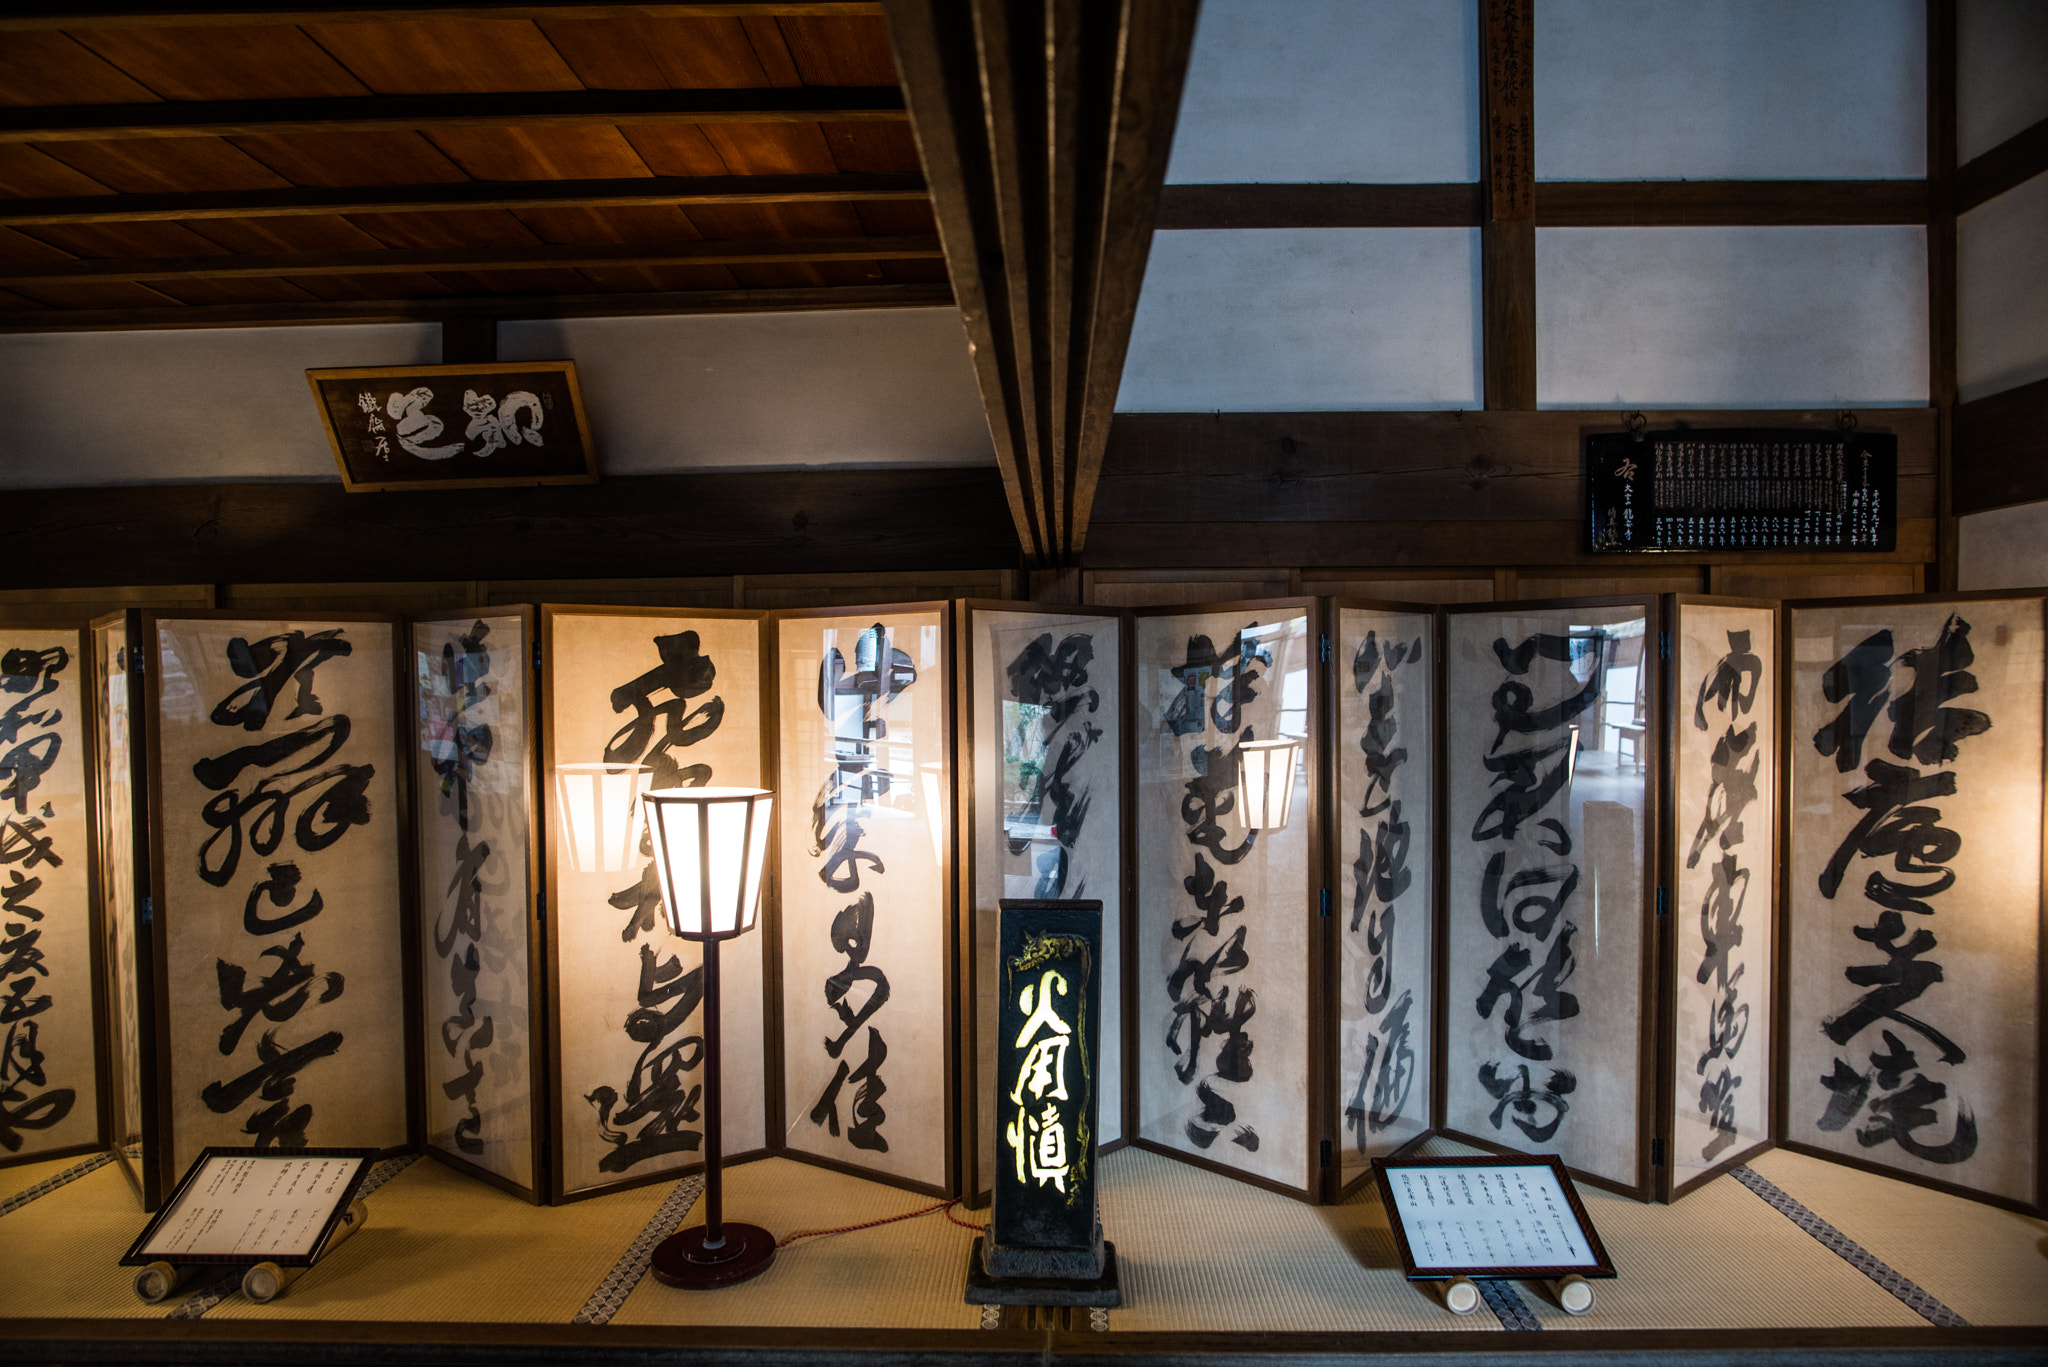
1330,90
2006,548
1295,319
2002,290
2001,71
1730,317
890,386
1730,89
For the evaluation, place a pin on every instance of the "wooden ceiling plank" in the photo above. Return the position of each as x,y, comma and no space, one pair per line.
404,54
462,195
596,152
153,166
458,230
397,113
279,62
771,50
346,159
128,240
784,149
398,310
776,220
55,68
837,51
651,54
34,18
228,266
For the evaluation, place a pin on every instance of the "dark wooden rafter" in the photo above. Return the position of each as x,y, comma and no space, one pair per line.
38,18
1941,269
1044,127
1990,174
407,113
1507,246
299,202
2001,449
695,252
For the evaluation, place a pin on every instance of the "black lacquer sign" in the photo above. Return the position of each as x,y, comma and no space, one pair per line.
1752,489
1047,1075
475,426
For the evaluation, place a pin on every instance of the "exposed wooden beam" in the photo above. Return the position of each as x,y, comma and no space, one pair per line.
33,18
2001,449
1727,203
2018,159
1507,231
398,113
480,306
1318,206
1044,130
1940,18
695,252
296,202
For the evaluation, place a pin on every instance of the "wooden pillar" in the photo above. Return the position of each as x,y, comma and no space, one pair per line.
1508,177
1941,275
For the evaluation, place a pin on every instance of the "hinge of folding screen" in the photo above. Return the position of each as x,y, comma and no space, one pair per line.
1323,648
1663,645
1326,901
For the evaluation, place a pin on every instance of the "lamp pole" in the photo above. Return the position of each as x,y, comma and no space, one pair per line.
714,1129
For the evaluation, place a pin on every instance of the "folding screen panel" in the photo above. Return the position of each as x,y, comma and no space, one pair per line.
50,1049
473,798
1224,962
1042,739
1549,946
121,783
1384,892
1720,865
867,933
641,699
278,840
1913,967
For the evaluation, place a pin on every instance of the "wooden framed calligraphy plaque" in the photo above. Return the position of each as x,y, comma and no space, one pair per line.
867,937
1720,862
473,774
450,426
1383,912
1224,966
1550,811
1912,980
1042,741
51,1073
641,699
121,755
280,863
1477,1217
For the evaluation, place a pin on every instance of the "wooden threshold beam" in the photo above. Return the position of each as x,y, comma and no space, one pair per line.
400,113
623,305
37,18
696,252
2018,159
297,202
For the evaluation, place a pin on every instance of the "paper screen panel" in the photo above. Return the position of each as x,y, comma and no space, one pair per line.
1546,809
1915,865
473,781
1386,889
49,1079
278,827
681,695
1047,710
864,828
1222,957
1724,786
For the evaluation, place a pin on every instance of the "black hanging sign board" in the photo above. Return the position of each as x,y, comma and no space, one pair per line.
1743,489
456,426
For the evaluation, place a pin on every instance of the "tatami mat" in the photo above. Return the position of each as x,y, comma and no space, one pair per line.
445,1247
22,1176
1988,1265
907,1275
59,1254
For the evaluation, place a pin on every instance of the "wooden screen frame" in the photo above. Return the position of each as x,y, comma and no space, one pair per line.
1781,1071
1335,1188
537,1001
976,1189
1316,887
407,874
1669,1188
768,921
90,791
949,892
1649,1049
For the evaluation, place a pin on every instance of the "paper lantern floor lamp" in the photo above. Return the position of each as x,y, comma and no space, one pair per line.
709,845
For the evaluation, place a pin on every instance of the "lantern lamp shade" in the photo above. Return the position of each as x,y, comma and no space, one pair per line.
600,806
1265,782
709,848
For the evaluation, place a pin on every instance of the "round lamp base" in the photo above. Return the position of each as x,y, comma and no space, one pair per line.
682,1260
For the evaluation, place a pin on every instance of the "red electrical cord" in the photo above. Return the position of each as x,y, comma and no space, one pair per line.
946,1206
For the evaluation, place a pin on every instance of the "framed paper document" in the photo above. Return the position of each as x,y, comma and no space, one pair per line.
1483,1217
248,1205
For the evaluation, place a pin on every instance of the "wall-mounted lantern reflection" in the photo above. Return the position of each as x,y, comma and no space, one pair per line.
600,805
1265,781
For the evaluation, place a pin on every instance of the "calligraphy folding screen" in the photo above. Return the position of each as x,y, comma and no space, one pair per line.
276,833
473,800
49,980
1550,759
1043,732
1384,895
1224,961
1913,891
123,846
1720,855
867,940
643,699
